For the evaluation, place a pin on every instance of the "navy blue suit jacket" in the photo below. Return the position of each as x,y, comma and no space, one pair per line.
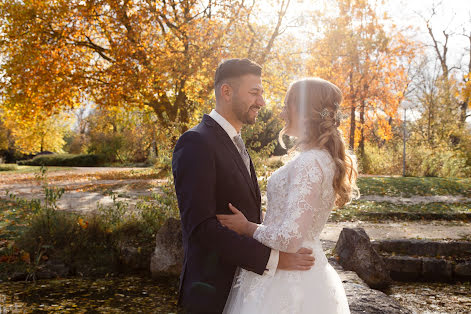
209,174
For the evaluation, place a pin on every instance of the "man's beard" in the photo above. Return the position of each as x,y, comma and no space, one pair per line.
243,117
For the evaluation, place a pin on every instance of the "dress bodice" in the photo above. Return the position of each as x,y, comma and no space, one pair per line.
300,197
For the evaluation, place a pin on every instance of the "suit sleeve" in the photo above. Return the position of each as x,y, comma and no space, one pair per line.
194,171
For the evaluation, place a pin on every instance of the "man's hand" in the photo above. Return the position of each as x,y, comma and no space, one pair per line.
237,222
301,260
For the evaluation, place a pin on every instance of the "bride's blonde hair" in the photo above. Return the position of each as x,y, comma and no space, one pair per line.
317,103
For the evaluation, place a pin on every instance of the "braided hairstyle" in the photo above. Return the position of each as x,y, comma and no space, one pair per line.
317,104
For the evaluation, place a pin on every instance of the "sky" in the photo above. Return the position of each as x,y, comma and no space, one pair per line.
451,15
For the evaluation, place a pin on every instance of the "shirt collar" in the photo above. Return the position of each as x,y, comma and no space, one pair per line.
230,130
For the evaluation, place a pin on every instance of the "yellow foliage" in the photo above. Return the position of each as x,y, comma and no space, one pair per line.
41,134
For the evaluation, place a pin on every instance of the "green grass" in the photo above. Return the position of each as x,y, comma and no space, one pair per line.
409,186
29,169
13,218
373,211
8,167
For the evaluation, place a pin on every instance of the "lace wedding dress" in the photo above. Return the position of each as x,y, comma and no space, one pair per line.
300,198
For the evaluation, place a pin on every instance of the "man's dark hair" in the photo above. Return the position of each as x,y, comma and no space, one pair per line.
233,69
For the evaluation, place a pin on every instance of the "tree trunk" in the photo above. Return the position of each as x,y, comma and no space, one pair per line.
361,145
351,144
463,112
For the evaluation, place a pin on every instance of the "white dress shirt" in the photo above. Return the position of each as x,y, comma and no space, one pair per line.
272,263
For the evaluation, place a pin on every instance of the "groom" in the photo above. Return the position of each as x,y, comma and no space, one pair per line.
212,168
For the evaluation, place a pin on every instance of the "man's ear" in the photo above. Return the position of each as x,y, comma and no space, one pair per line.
226,92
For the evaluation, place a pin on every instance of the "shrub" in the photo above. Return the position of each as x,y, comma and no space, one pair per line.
106,145
90,244
64,160
421,161
158,208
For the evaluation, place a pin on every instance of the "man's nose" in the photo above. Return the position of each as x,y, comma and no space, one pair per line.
261,102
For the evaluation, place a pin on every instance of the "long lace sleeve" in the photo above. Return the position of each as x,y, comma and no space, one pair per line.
304,202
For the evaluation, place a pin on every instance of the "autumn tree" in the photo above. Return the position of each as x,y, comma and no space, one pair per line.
159,54
45,134
465,87
356,53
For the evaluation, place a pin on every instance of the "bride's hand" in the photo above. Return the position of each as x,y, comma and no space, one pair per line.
236,222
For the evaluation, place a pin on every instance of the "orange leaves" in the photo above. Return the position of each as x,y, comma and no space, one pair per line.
83,224
26,258
13,253
368,64
465,89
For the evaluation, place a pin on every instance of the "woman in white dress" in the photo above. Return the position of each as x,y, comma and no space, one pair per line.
300,196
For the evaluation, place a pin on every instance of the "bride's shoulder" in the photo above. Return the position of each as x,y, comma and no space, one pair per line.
322,156
309,158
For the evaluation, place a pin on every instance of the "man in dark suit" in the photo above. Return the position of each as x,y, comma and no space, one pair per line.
211,168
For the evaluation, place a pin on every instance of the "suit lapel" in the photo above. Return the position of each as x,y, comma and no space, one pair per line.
224,139
254,179
257,189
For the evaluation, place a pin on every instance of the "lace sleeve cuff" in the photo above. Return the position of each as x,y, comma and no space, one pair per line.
257,235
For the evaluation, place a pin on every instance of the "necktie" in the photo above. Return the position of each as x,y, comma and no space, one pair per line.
242,151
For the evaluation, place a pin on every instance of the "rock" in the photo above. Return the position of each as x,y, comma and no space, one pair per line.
404,268
44,274
462,270
17,276
132,258
425,247
362,299
434,269
356,253
400,246
455,248
52,269
58,268
167,258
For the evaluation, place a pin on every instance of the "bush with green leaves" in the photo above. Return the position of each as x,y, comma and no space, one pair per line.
66,160
156,209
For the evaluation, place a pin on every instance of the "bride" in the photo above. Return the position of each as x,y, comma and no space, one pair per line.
301,195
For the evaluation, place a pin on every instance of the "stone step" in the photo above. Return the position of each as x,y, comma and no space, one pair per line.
376,216
416,247
407,268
